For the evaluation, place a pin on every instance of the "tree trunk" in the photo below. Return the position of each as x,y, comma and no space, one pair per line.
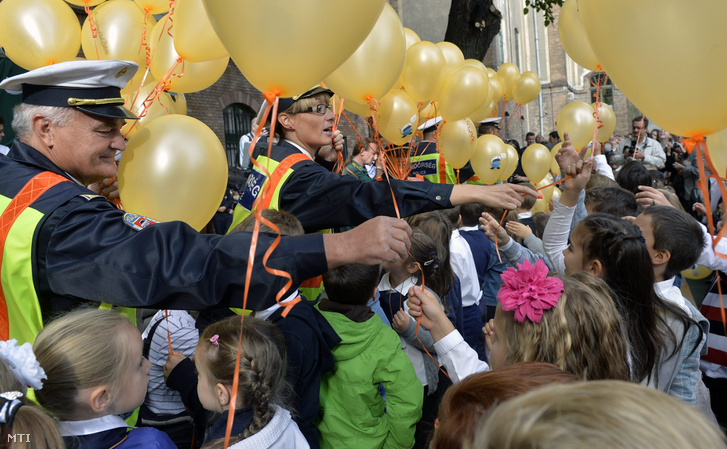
462,29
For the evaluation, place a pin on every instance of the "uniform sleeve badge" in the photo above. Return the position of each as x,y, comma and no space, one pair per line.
138,222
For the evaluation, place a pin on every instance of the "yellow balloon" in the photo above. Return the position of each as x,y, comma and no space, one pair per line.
717,149
174,168
491,73
374,67
164,103
452,54
291,45
477,64
153,6
364,110
119,29
547,192
540,206
554,167
37,33
696,272
431,110
496,89
195,76
463,92
489,158
573,36
527,88
536,162
457,142
508,73
576,119
129,92
397,117
194,37
512,160
639,58
425,70
485,111
608,120
411,37
84,2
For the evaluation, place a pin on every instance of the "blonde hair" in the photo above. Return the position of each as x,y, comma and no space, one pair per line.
83,349
261,379
28,420
602,414
300,106
581,334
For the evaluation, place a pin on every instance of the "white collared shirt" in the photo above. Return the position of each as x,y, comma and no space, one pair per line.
90,426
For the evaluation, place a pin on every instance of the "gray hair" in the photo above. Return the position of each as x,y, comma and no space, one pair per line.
23,117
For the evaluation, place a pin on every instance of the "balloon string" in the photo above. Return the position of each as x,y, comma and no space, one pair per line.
92,26
144,42
355,128
169,335
703,184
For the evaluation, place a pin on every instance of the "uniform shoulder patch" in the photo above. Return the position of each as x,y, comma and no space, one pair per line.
90,196
138,222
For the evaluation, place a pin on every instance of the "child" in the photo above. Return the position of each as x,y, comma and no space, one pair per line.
259,419
163,407
21,421
309,338
353,414
603,414
614,250
674,241
96,371
466,402
423,265
571,323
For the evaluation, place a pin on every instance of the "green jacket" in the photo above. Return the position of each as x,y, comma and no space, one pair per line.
353,414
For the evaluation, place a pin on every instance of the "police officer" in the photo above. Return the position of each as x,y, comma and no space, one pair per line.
300,181
62,244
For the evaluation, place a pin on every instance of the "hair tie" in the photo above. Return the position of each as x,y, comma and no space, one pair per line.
215,340
529,291
9,405
432,260
22,363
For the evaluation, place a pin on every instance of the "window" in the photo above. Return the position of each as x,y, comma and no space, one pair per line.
237,118
601,80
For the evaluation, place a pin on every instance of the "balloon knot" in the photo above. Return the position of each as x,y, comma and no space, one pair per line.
369,99
270,96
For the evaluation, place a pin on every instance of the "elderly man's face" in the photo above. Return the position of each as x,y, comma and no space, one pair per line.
86,146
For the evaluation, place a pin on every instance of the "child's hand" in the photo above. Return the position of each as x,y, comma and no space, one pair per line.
489,331
400,321
174,358
519,229
699,207
422,304
493,229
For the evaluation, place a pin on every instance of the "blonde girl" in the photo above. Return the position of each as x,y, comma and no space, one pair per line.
95,372
259,419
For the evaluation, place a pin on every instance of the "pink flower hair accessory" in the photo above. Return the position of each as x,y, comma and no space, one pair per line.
529,291
215,340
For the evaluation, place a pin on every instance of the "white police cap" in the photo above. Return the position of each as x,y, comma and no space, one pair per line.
93,87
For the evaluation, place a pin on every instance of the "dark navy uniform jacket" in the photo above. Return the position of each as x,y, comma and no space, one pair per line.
84,251
321,199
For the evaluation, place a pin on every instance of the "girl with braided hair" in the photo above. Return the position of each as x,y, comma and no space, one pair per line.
615,251
260,420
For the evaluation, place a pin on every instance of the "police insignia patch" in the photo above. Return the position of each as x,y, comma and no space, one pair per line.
89,196
138,222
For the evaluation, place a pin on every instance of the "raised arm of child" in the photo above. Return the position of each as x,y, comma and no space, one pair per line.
456,355
513,252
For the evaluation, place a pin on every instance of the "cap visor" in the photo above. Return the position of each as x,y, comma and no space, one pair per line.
112,111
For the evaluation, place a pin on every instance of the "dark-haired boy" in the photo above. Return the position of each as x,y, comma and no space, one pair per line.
353,413
675,241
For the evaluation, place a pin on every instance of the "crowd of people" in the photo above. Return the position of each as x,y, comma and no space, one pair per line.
471,322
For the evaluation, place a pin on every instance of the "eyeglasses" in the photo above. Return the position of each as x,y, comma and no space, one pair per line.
319,109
